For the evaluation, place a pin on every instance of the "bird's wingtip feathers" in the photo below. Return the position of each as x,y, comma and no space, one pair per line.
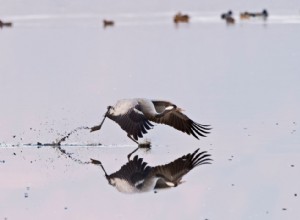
201,158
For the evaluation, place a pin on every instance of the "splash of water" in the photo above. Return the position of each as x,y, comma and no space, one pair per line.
57,145
58,142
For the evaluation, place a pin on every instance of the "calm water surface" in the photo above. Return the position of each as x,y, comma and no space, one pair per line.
60,69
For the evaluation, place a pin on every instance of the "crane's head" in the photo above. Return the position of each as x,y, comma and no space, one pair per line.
109,108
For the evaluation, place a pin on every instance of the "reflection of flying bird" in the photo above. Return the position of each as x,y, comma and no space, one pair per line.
136,176
134,116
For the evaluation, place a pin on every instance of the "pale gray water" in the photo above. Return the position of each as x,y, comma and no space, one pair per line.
59,70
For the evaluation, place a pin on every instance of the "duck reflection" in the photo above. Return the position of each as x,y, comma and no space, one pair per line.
136,176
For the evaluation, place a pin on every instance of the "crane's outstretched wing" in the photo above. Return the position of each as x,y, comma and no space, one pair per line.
180,121
133,172
172,173
133,122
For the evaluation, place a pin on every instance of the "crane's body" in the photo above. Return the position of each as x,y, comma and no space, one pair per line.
136,176
135,116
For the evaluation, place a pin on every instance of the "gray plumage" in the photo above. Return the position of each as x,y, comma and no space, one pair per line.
135,116
136,176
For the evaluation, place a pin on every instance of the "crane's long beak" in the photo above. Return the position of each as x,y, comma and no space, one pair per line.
98,127
97,162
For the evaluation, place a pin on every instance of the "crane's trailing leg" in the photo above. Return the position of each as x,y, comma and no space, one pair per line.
129,155
128,135
145,145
